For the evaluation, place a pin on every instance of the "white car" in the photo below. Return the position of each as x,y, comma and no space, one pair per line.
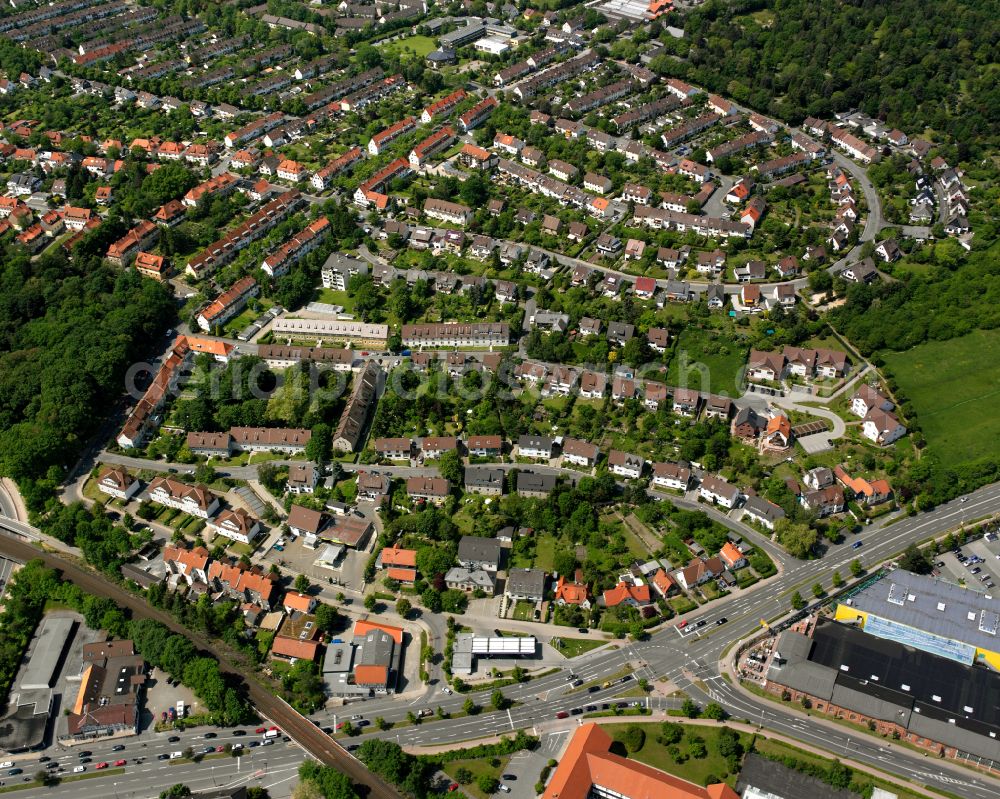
7,764
78,769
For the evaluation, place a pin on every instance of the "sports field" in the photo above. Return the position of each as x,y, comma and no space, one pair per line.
954,387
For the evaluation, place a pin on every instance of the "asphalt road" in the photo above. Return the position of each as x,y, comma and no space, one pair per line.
301,730
690,660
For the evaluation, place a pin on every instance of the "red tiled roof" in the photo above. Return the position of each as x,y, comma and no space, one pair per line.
362,627
294,648
371,675
588,762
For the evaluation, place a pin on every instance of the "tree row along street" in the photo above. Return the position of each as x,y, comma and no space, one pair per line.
690,661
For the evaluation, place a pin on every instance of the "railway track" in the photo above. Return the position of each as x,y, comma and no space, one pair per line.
300,729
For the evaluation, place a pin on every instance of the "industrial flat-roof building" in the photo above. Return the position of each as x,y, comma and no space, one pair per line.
930,701
28,709
469,646
928,614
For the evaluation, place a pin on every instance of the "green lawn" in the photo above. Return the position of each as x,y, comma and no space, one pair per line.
340,298
571,647
706,361
696,770
545,553
954,388
476,768
524,611
418,45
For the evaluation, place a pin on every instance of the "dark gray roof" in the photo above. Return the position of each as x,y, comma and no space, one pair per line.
777,779
483,477
532,481
526,582
479,550
763,509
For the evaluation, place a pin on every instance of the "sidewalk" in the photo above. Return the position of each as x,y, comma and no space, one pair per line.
9,487
568,725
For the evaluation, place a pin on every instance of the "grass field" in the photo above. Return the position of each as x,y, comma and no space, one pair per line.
571,647
696,770
954,387
417,45
476,768
705,361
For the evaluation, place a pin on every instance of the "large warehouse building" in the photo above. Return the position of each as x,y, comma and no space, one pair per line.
930,701
930,615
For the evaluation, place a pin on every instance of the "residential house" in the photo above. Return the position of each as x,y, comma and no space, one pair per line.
580,453
625,464
866,399
537,447
671,475
882,427
399,564
761,511
526,585
235,524
573,593
532,484
716,490
825,501
686,402
118,483
485,480
626,593
699,571
195,500
433,490
302,478
470,580
777,435
731,556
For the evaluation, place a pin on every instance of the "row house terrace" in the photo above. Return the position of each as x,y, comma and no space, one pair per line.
142,236
323,177
384,138
301,244
257,225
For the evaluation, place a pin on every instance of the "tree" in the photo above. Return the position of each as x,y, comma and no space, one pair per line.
319,448
837,579
915,560
817,590
403,607
370,602
470,707
487,783
463,776
499,701
449,464
634,738
381,723
797,601
713,710
518,674
797,538
671,733
689,708
301,583
856,568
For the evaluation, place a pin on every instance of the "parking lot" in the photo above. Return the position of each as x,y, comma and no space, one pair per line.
981,568
161,696
347,571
